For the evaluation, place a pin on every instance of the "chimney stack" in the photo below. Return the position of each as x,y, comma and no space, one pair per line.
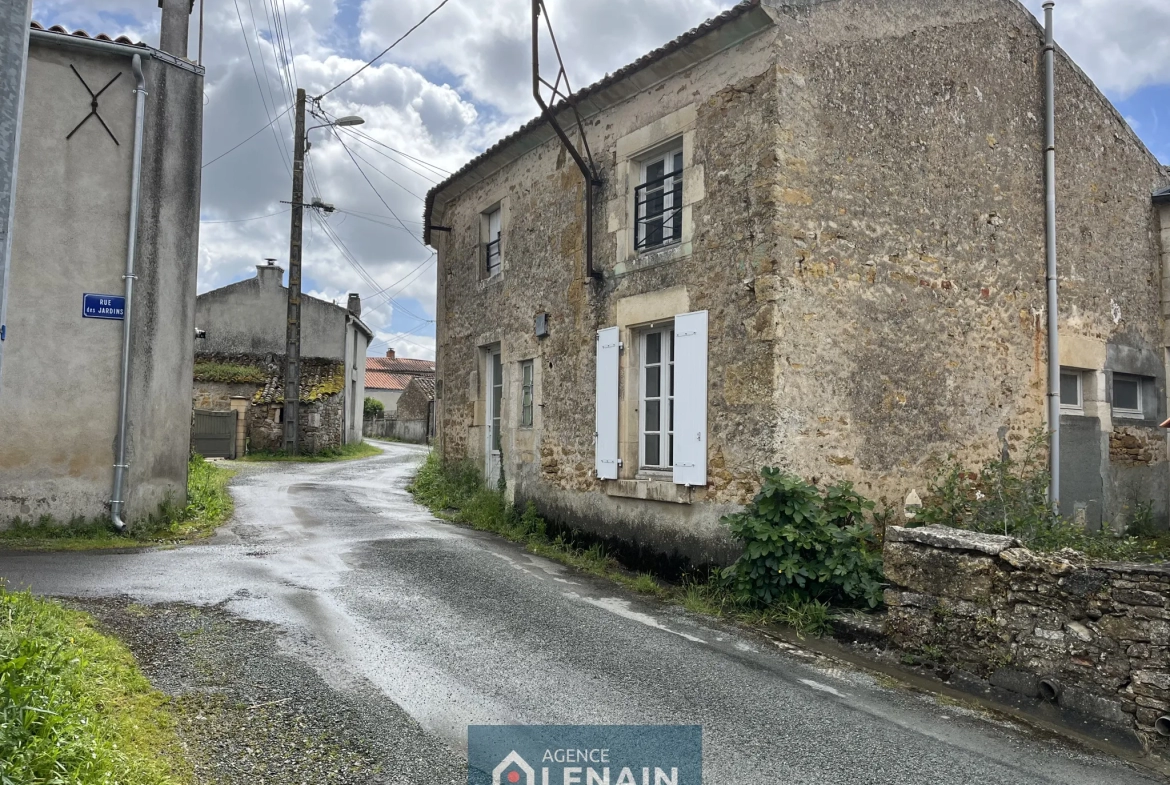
176,26
269,275
389,354
355,304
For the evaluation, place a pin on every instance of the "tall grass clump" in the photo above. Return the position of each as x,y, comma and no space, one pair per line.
74,709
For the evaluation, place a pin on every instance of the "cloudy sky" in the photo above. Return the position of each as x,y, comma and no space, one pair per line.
447,92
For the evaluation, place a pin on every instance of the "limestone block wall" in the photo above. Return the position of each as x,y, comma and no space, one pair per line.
1098,632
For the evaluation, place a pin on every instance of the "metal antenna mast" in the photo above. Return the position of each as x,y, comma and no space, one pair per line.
561,99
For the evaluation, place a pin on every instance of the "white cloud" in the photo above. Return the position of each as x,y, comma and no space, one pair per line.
1123,45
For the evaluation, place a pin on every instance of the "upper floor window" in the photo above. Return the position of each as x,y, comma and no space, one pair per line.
492,242
658,201
1127,395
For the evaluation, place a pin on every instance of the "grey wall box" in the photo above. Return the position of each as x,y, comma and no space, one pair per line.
542,325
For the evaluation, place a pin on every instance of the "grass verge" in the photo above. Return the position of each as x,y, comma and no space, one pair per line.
208,505
455,492
348,452
74,707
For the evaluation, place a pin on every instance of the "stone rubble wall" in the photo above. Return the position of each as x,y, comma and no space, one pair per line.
989,606
320,426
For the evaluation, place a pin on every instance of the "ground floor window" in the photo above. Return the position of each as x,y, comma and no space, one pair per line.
657,399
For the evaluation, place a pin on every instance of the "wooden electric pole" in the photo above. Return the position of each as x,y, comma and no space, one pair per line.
292,372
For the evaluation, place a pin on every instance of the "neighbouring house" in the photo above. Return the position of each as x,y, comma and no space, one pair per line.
387,377
416,409
240,364
820,245
95,394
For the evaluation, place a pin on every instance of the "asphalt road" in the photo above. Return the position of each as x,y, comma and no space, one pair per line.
454,627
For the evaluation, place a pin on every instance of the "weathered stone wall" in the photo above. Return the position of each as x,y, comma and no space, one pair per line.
1099,631
320,427
869,246
217,396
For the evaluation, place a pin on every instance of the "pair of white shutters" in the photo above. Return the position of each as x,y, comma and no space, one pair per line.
690,400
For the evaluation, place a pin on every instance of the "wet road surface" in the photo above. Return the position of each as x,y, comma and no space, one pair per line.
456,627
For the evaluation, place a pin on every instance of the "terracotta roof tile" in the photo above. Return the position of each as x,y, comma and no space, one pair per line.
382,380
426,384
403,365
35,25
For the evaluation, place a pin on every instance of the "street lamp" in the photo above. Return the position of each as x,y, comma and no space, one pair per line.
292,371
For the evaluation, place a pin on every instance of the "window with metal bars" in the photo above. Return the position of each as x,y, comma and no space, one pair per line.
492,251
658,202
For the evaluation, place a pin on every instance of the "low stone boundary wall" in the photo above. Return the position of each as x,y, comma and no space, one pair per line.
413,431
1091,637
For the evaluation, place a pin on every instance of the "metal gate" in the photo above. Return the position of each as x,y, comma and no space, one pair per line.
214,435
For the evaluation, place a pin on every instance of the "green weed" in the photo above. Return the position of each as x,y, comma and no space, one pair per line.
73,706
348,452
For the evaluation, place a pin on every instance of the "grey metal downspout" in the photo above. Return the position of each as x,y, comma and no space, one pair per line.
1050,249
117,503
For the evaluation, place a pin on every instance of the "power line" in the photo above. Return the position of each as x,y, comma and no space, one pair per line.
250,138
391,179
271,119
384,51
435,168
371,220
424,174
242,220
373,188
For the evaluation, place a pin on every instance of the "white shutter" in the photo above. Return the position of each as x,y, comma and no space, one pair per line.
606,423
690,398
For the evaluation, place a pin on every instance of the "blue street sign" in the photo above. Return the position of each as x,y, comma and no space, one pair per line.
103,306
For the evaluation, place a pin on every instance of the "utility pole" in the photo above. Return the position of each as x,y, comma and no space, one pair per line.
292,372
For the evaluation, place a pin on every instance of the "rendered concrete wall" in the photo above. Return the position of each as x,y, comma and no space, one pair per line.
14,33
867,212
60,386
389,398
250,317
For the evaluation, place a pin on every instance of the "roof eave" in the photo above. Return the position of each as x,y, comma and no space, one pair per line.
727,30
1162,197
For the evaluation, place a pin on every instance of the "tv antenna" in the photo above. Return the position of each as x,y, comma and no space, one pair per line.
559,99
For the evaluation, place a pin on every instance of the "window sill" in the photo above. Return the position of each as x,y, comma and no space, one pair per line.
650,259
484,283
649,490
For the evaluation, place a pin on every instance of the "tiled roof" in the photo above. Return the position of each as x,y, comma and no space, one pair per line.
403,365
318,380
382,380
426,384
642,62
82,34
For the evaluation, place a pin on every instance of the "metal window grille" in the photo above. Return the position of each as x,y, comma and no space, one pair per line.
493,256
658,208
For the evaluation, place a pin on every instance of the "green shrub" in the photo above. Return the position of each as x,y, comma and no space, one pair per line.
73,707
1009,496
802,546
373,408
228,373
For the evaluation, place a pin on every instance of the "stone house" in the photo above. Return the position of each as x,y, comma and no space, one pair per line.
240,363
417,404
95,392
819,245
388,377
